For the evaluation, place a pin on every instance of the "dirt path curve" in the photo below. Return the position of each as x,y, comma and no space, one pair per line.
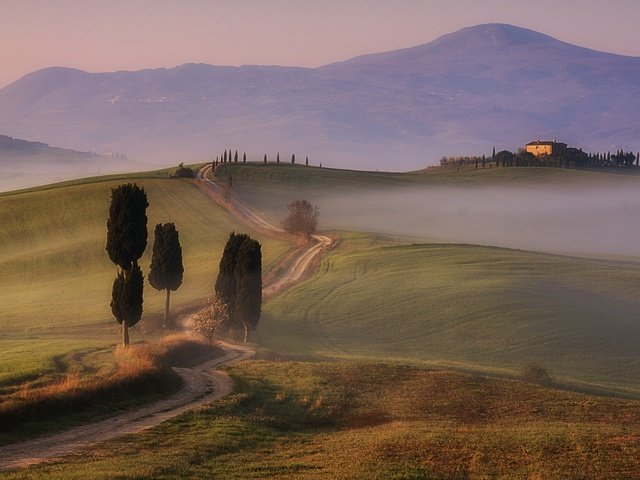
201,384
301,260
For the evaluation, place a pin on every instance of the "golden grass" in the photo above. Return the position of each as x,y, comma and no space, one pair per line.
139,370
354,420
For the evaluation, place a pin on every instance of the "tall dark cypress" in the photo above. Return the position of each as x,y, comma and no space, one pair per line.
248,274
126,242
127,225
225,287
126,299
166,270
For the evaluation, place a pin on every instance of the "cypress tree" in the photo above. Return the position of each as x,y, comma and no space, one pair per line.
484,159
248,275
126,242
224,157
278,158
244,157
265,158
126,299
306,161
293,158
235,158
166,270
225,287
127,225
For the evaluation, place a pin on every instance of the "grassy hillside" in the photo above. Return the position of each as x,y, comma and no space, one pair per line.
358,420
56,276
292,176
466,306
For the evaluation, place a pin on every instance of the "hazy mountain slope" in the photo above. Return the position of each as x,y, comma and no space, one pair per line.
27,163
462,93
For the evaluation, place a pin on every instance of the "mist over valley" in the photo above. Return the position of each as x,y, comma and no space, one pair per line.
586,221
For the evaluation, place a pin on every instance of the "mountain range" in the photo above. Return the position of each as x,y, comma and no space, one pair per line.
483,86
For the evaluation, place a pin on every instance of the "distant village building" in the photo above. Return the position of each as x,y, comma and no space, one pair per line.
550,148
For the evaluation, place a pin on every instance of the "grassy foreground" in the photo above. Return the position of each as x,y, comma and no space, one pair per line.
56,281
477,308
359,420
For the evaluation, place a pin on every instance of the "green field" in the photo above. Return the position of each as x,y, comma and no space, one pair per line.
471,307
475,308
56,276
291,420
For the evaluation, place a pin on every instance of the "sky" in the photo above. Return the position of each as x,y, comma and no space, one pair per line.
109,35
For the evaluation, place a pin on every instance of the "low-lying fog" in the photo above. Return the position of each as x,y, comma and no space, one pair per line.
33,171
603,221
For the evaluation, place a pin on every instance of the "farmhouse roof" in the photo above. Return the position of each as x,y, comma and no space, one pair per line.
546,142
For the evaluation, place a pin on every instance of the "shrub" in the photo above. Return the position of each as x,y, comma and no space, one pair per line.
536,374
183,172
212,320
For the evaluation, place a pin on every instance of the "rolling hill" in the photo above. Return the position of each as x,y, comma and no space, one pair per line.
462,93
477,307
56,298
389,308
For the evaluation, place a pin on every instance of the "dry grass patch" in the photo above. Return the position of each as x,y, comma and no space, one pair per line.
295,420
133,375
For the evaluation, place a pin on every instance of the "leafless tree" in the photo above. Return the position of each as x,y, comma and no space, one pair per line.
302,218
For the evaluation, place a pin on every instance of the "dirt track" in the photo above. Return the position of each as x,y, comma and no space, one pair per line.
297,265
202,383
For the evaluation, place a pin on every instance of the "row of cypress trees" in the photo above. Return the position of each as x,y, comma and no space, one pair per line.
126,242
231,158
239,281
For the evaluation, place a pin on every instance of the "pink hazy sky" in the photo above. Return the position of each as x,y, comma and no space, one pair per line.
107,35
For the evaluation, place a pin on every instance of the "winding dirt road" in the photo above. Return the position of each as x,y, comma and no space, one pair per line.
297,265
201,384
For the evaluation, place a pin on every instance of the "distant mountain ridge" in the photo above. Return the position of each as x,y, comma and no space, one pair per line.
27,163
462,93
16,149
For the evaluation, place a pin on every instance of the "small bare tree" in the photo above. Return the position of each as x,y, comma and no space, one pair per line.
212,319
302,218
